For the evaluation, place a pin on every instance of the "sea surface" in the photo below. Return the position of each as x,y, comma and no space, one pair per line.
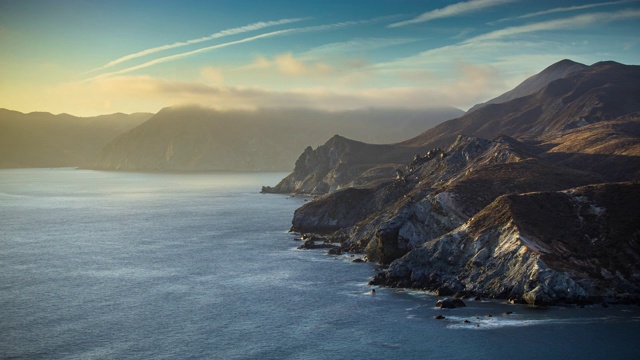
106,265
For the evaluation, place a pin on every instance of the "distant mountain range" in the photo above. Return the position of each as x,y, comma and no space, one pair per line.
532,196
190,138
45,140
199,139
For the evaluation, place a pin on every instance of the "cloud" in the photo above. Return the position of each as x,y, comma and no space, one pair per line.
567,9
187,54
260,62
212,75
220,34
287,64
145,93
355,45
325,27
493,47
452,10
578,21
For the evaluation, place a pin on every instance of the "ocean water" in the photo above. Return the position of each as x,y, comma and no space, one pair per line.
103,265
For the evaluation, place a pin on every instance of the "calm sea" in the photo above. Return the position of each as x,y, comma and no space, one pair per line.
103,265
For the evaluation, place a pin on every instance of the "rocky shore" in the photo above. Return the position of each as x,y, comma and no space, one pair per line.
538,203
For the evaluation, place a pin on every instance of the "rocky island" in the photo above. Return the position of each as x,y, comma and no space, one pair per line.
532,196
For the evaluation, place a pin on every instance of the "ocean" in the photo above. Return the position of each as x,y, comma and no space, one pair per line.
109,265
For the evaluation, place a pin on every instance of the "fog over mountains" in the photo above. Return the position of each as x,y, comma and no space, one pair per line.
191,138
198,139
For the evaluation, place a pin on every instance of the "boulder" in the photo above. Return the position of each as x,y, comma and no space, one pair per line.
450,303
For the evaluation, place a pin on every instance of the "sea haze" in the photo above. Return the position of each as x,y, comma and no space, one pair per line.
97,265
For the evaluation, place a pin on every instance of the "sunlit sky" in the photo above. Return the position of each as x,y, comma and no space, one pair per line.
95,57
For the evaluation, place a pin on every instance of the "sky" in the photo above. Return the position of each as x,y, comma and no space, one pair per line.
86,57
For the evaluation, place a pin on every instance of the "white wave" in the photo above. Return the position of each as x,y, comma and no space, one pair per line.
504,321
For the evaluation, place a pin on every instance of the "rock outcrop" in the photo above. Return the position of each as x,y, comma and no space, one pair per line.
342,163
437,194
579,245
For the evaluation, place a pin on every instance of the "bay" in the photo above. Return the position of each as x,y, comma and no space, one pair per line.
105,265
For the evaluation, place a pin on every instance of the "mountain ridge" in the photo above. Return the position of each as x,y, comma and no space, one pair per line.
201,139
42,139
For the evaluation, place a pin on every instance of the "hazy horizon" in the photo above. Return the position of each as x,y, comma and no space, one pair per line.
92,58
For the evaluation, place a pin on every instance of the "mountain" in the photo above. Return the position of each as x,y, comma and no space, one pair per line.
198,139
535,82
46,140
541,187
601,92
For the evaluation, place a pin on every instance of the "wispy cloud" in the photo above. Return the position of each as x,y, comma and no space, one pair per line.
228,32
324,27
567,9
356,45
188,53
566,23
452,10
485,48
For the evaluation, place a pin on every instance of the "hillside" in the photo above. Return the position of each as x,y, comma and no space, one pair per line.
200,139
535,82
47,140
575,131
585,97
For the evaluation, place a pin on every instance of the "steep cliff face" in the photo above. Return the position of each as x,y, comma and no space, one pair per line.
578,245
463,217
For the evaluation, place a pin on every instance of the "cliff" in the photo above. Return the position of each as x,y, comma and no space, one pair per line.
579,245
342,163
575,131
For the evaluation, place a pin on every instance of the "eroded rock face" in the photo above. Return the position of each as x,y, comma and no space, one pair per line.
538,248
437,193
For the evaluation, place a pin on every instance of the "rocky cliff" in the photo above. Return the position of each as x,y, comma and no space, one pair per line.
437,192
342,163
578,245
575,131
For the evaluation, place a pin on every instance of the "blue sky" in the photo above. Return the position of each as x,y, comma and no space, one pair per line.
96,57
